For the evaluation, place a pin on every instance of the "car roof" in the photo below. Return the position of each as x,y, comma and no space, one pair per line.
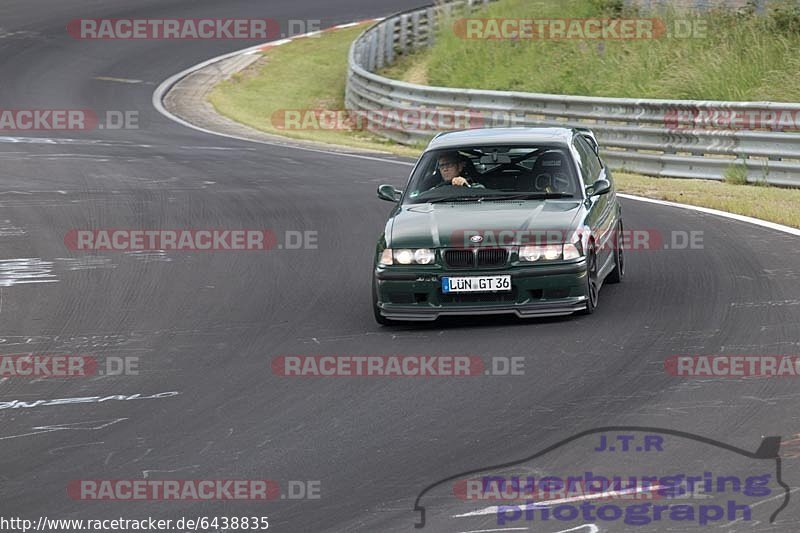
489,136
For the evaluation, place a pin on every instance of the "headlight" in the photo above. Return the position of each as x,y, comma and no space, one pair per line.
424,256
553,252
571,252
550,252
530,253
421,256
386,257
404,257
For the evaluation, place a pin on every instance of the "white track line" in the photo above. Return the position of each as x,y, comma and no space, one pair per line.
724,214
778,497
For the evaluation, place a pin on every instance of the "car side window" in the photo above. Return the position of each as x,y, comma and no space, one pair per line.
590,163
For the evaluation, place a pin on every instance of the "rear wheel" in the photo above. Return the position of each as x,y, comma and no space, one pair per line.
616,275
592,286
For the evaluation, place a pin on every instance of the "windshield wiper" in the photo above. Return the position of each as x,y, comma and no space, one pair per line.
455,199
530,196
514,196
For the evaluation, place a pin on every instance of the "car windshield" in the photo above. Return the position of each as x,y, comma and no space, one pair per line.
480,173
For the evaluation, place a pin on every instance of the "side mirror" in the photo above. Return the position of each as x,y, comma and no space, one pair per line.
389,193
601,186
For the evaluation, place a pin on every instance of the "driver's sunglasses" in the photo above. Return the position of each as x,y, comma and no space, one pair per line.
446,165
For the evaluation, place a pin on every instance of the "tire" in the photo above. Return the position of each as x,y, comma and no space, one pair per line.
616,275
592,290
379,318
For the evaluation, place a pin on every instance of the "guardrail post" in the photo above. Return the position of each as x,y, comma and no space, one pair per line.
380,45
373,51
391,30
403,43
416,44
431,34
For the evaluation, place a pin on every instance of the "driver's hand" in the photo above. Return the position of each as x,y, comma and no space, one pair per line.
459,182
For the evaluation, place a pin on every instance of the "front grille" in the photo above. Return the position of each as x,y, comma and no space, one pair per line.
492,257
482,258
459,258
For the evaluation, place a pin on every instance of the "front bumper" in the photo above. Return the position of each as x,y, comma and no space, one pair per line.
543,290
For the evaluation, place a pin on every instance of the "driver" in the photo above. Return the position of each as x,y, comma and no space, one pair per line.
452,167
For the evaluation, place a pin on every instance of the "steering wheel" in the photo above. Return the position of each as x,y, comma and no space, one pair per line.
445,184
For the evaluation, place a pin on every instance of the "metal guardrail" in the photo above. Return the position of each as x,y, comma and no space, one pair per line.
638,135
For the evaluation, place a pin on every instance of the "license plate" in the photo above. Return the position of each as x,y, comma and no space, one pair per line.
476,284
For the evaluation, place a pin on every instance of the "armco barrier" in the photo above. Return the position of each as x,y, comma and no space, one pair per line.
634,134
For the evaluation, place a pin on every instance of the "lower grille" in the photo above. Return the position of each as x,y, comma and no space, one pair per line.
401,297
478,297
408,297
557,293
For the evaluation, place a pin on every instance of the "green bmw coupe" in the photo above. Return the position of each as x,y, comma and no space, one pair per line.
515,220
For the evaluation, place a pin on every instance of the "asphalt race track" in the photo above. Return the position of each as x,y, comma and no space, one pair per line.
206,325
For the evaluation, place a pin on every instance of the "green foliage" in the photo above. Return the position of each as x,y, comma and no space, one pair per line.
736,174
715,55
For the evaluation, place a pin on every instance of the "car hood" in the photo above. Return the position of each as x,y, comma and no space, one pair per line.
443,225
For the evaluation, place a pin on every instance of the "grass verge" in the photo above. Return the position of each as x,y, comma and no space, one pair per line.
306,74
310,74
768,203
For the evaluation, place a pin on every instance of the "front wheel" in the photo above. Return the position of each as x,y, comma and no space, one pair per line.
616,275
592,286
